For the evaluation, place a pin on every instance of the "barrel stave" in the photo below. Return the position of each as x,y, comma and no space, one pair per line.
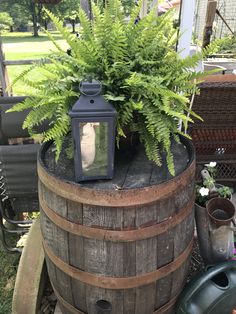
163,291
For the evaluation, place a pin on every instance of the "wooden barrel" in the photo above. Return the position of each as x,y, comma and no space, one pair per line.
121,246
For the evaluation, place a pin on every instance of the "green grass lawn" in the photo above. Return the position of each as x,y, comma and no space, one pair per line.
23,46
8,265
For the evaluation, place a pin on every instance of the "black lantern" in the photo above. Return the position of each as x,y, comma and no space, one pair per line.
93,131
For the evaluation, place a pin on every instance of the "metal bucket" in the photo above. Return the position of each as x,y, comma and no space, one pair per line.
221,211
215,230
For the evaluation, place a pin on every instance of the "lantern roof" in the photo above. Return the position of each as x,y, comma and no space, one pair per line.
91,103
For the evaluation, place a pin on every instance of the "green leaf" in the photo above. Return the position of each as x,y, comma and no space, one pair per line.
114,98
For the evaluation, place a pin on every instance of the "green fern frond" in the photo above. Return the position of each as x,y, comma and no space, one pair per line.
184,134
86,28
58,141
192,113
26,104
59,130
140,71
53,40
169,155
22,75
70,39
37,116
212,47
96,12
151,146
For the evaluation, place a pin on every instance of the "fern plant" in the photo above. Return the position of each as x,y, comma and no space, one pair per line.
141,73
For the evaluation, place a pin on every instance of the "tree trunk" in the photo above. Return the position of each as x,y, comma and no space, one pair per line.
46,25
34,19
86,6
73,26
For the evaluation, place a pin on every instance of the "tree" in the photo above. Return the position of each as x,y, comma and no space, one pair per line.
73,18
17,12
31,7
5,20
20,9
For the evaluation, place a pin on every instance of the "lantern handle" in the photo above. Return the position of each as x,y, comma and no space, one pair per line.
96,94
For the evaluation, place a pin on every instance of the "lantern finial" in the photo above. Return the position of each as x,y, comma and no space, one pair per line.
90,88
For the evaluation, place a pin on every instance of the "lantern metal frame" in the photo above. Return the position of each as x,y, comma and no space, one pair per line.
88,112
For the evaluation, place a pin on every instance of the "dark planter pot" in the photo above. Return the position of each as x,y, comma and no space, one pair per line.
127,146
210,292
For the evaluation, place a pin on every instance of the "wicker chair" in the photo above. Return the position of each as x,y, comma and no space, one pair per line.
215,138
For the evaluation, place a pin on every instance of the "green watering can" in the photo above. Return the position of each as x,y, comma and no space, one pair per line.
213,291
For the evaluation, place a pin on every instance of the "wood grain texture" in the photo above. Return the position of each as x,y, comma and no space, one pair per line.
124,258
64,168
210,15
76,255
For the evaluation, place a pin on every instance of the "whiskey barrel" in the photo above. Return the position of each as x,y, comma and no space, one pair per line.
121,246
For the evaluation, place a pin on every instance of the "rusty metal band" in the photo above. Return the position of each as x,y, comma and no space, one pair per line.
116,235
115,198
74,310
167,306
118,282
64,303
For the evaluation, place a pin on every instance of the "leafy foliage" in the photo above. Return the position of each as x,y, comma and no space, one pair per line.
5,20
17,12
227,46
209,188
140,71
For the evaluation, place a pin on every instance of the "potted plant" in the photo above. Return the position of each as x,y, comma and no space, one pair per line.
141,73
209,188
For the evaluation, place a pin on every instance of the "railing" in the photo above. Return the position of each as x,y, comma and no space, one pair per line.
4,79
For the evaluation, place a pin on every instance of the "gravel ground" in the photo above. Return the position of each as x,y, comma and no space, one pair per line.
197,263
49,300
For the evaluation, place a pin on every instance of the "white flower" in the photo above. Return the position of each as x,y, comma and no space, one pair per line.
212,164
204,191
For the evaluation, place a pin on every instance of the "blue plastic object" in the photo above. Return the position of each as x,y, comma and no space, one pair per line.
212,291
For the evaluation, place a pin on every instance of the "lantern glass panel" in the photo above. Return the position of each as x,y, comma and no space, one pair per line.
94,148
